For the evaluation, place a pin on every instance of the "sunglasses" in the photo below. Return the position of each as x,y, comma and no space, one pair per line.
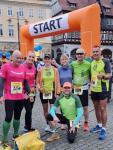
67,87
95,51
79,53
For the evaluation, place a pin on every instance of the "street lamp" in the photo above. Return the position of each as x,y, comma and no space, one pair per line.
18,26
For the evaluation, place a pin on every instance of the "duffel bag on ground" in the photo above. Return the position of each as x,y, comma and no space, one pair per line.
29,141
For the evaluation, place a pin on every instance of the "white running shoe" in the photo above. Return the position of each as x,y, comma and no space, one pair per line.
48,129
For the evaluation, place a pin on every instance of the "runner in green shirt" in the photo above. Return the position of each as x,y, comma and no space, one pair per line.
100,75
71,109
48,84
81,77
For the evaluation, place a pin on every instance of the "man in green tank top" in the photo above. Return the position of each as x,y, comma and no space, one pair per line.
100,75
71,112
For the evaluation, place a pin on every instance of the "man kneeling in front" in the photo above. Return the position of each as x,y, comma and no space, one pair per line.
71,113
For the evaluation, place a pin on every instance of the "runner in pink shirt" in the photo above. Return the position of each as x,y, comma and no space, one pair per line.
14,79
28,103
13,82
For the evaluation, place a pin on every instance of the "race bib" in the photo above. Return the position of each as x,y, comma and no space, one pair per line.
94,81
78,90
47,95
16,87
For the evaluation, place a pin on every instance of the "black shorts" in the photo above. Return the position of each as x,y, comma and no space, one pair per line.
84,98
99,95
44,101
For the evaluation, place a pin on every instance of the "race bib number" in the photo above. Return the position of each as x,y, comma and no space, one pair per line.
16,87
94,81
78,90
47,95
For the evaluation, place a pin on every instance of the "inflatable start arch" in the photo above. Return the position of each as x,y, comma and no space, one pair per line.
85,20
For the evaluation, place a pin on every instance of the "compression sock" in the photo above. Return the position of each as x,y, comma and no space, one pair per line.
16,125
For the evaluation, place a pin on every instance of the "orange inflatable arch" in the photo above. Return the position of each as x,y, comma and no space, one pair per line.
85,20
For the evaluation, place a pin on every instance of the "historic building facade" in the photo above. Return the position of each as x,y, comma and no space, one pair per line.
15,13
69,42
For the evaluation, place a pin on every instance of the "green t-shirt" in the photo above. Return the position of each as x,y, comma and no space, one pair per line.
68,105
81,72
101,66
48,79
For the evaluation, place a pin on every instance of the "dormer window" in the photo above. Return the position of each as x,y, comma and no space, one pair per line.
72,3
107,10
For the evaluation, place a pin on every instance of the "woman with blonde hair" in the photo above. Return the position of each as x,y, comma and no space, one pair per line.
65,73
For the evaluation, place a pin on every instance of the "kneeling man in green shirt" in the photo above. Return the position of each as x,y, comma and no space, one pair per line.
71,113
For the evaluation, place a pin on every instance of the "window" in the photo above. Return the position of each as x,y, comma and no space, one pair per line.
31,13
108,21
10,11
11,30
42,13
107,10
110,35
1,30
72,5
56,8
21,12
0,11
111,21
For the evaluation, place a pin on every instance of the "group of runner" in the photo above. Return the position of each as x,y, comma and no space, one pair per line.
65,87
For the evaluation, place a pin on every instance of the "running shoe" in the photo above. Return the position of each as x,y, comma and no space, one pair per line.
54,136
86,127
28,130
96,129
25,130
48,129
102,134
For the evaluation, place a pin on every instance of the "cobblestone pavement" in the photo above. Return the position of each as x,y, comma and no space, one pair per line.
84,141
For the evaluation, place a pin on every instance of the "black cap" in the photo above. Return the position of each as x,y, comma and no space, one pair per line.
47,56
